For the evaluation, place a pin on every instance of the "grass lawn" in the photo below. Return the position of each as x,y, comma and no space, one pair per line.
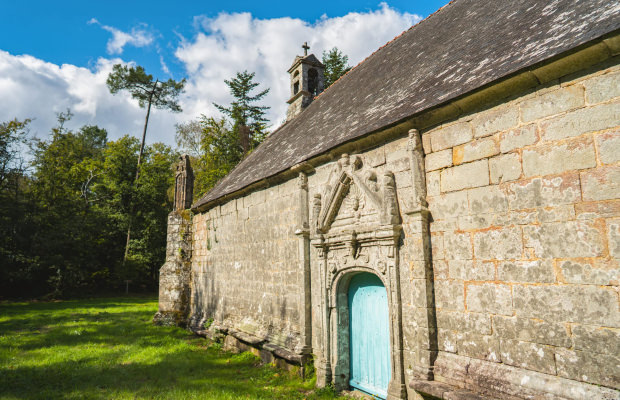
108,349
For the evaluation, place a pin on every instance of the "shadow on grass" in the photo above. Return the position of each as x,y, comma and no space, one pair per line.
109,349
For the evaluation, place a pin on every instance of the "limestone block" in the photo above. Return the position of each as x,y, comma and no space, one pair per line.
464,322
488,199
498,244
587,367
444,225
602,88
565,303
447,340
595,339
420,296
478,346
552,103
601,183
531,330
451,135
574,123
498,119
426,143
608,145
439,159
570,239
613,237
518,138
544,192
526,271
505,168
465,176
437,247
376,157
475,222
559,157
489,298
534,356
555,214
440,269
397,160
467,270
449,295
449,205
475,150
432,184
597,209
403,183
595,272
458,246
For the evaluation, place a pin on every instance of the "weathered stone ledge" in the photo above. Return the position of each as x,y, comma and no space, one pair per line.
253,341
443,391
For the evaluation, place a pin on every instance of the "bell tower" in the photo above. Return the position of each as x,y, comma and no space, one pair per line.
306,82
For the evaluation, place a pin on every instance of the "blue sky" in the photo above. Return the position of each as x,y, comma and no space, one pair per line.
55,55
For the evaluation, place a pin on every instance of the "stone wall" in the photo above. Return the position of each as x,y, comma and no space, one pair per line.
519,294
174,275
525,201
245,268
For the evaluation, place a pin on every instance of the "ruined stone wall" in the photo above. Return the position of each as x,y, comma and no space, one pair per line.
174,275
525,201
245,271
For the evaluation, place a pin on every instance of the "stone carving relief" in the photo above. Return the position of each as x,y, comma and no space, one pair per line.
184,184
355,228
350,186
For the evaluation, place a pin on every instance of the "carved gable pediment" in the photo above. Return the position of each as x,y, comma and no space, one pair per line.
355,195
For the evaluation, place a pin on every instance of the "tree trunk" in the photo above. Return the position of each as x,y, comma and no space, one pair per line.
146,122
244,138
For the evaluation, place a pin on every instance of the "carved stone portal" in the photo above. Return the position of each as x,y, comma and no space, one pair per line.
356,227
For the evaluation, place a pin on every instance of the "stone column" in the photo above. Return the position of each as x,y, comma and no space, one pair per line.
303,233
397,389
174,275
323,362
424,298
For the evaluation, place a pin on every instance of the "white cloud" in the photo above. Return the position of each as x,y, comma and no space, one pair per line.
32,88
138,37
236,42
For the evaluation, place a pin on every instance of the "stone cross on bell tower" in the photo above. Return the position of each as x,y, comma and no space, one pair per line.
307,82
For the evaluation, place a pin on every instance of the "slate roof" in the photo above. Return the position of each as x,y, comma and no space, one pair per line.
463,46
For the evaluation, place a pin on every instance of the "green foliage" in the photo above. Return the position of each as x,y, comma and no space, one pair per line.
336,65
135,80
220,153
13,136
62,231
117,353
188,137
248,120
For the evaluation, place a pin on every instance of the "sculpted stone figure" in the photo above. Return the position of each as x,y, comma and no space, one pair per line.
184,184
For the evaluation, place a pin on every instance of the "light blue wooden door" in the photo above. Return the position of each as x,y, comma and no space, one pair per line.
369,335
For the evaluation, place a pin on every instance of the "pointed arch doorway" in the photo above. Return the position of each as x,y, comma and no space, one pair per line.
369,336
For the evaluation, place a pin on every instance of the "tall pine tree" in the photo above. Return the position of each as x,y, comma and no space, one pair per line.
336,64
248,119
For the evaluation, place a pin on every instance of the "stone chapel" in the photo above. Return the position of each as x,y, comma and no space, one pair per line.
441,222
